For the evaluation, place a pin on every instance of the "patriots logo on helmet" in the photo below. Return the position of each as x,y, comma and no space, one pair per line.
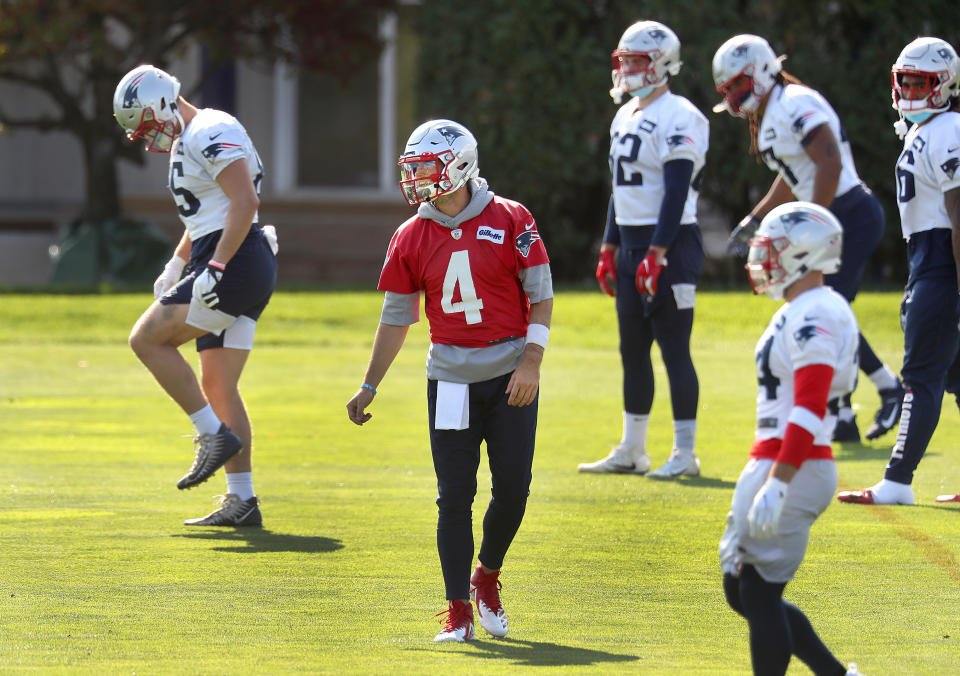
796,217
678,140
131,95
214,149
657,35
525,240
950,166
805,333
450,133
945,54
740,50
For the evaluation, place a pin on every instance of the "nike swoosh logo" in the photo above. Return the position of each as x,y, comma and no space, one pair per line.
807,318
216,135
528,227
889,420
953,149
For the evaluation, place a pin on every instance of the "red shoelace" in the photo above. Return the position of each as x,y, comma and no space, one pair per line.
488,590
458,616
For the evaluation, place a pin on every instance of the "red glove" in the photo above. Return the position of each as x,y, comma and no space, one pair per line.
647,273
607,272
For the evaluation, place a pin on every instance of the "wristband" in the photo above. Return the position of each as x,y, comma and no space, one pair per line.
538,334
368,386
215,264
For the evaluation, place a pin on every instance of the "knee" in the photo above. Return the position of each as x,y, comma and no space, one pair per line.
456,498
731,589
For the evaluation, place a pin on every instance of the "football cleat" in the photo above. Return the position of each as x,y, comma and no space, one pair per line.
232,512
459,623
949,498
212,451
485,592
621,460
846,431
679,463
888,415
884,493
852,670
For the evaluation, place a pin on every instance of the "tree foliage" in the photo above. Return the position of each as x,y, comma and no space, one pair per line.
75,52
530,79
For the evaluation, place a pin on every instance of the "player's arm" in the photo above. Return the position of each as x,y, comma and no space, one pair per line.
386,346
821,146
525,380
238,186
951,199
779,193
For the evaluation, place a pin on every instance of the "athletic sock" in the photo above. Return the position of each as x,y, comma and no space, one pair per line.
205,420
883,378
685,435
635,430
240,484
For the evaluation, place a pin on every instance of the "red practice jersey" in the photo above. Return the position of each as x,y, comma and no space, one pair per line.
469,275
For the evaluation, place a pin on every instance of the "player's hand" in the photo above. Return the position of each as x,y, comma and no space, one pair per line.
525,380
356,405
648,272
763,518
738,243
607,272
169,277
270,234
205,285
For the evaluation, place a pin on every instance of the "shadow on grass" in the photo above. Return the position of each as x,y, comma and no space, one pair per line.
853,451
256,540
535,653
698,481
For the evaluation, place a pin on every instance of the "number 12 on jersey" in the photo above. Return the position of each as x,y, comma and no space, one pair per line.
458,273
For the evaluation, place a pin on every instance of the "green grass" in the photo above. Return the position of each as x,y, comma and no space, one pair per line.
608,574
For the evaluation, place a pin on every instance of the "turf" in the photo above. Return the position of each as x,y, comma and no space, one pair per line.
608,574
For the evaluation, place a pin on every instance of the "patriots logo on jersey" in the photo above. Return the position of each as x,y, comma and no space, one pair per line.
805,333
450,133
525,240
678,140
214,149
801,121
950,166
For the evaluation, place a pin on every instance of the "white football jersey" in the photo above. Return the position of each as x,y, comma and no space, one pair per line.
212,141
791,113
928,167
641,142
817,327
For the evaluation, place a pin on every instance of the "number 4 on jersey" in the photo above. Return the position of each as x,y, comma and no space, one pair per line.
458,272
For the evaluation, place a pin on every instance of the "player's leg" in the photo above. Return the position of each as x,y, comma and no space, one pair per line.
636,338
456,457
510,433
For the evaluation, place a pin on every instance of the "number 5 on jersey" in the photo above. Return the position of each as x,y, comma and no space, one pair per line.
458,273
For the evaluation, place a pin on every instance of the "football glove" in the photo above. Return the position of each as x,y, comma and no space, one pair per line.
607,272
169,277
270,234
648,272
205,285
738,243
763,518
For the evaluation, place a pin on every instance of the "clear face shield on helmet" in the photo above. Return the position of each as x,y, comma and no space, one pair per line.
157,136
763,263
423,177
912,89
633,71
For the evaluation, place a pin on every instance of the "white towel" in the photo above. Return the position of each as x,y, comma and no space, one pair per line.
453,406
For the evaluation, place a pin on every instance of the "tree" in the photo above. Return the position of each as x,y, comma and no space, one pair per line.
75,52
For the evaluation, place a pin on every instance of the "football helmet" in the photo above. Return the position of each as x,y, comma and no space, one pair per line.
936,61
145,105
793,239
656,54
745,68
440,157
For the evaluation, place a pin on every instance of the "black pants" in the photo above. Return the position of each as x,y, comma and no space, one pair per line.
510,433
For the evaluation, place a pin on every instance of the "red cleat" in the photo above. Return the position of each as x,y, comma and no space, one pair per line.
864,497
949,498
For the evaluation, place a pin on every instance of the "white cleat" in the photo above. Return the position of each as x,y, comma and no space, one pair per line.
485,592
621,460
678,464
852,670
884,493
459,624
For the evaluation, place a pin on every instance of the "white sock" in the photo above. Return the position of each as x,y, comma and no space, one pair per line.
635,431
205,420
883,378
685,435
240,484
845,414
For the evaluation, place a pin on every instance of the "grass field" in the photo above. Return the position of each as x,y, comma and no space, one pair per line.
608,574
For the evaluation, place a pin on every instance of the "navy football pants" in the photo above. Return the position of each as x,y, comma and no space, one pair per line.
510,433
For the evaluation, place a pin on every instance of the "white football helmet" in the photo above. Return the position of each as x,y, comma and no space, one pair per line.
440,157
936,61
145,105
656,52
745,68
793,239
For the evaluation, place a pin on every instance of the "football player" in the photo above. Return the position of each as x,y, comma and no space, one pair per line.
926,91
215,286
480,263
806,356
652,251
796,132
